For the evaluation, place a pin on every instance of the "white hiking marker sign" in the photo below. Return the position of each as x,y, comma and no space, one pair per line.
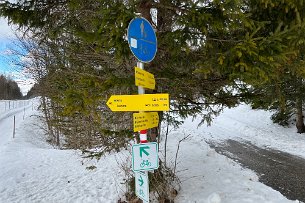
145,156
142,186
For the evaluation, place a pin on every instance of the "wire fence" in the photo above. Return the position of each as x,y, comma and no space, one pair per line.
7,105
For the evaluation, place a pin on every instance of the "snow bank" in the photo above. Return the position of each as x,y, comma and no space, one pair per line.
33,171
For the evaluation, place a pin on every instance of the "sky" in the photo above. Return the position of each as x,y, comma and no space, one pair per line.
7,38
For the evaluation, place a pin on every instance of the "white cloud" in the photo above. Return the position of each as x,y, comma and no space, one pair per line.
7,52
6,31
25,85
26,59
24,82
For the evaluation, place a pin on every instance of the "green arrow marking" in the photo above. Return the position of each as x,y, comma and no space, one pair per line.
141,181
142,150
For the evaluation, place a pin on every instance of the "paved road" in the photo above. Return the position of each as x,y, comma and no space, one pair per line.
281,171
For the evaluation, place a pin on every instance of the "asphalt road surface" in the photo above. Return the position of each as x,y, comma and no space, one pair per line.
281,171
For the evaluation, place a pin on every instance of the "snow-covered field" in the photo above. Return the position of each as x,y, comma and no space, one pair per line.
33,171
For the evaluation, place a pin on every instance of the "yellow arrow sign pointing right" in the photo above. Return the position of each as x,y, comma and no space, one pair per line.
144,79
145,120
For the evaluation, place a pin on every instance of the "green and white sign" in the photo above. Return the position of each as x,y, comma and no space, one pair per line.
142,186
145,156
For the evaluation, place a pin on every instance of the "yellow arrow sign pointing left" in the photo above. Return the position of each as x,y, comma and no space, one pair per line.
141,102
145,120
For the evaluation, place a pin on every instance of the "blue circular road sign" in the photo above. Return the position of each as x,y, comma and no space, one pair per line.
142,39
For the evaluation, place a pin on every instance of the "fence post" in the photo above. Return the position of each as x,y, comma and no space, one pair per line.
14,131
23,112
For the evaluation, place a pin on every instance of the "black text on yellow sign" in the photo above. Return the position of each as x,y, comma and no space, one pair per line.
145,120
144,79
141,102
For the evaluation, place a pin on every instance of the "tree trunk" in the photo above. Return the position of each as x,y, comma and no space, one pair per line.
300,123
144,7
46,114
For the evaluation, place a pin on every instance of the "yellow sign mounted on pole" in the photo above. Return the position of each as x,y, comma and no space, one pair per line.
141,102
144,79
145,120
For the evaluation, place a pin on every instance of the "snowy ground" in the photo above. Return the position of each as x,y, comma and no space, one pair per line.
252,125
33,171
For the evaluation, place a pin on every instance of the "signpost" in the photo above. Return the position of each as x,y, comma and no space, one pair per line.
143,44
146,120
143,102
142,186
144,79
145,156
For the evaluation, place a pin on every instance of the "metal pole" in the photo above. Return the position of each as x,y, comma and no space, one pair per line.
143,133
141,90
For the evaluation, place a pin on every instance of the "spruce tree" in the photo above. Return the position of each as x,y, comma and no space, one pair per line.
203,48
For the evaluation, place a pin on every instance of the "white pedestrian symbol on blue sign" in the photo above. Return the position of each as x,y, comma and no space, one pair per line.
142,39
143,33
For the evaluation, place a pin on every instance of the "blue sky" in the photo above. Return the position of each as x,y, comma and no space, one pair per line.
4,61
7,39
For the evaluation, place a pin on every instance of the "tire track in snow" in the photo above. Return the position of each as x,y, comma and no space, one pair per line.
280,170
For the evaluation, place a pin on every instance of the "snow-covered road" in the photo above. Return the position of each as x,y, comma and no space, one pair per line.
7,121
208,177
33,171
280,170
254,126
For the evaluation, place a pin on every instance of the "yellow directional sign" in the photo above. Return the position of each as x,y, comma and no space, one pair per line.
141,102
144,79
146,120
